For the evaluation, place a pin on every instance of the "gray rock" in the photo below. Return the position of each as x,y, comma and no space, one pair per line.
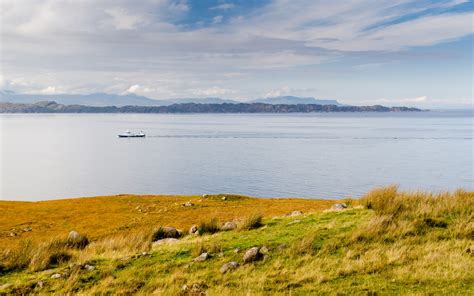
56,276
224,198
252,254
229,226
295,213
229,266
188,204
73,235
165,241
166,232
203,257
264,250
89,267
194,229
339,206
76,240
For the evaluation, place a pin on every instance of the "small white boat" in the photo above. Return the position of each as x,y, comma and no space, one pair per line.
129,134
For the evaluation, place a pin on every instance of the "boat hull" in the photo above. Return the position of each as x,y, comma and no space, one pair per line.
131,136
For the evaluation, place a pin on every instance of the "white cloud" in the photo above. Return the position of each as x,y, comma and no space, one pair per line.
212,91
224,6
50,90
84,46
217,19
122,19
286,90
421,99
133,88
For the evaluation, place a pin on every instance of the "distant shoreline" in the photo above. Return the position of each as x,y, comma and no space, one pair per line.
53,107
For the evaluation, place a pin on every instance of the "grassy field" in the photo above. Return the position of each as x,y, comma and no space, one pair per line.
393,243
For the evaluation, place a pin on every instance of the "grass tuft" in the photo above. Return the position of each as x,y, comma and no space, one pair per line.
252,222
209,226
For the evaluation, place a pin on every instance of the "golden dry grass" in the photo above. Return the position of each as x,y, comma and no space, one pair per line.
108,215
401,243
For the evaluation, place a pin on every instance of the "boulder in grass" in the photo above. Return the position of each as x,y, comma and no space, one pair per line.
229,226
77,240
188,204
229,266
193,229
165,241
203,257
339,206
264,250
166,232
252,254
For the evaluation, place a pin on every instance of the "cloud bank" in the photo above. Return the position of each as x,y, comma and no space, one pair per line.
170,48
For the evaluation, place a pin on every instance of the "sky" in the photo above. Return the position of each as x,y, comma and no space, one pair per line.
361,52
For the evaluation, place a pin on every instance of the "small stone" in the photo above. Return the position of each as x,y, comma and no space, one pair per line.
56,276
188,204
194,229
89,267
203,257
339,206
264,250
195,289
12,234
224,198
294,222
229,266
27,229
236,250
229,226
252,254
144,253
204,195
165,241
295,213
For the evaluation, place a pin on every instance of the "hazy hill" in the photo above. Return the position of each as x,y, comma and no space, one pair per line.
54,107
290,100
103,99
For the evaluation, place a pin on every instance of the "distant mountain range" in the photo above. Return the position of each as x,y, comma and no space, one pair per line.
53,107
103,99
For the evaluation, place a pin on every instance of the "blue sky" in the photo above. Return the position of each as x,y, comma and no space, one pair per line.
397,52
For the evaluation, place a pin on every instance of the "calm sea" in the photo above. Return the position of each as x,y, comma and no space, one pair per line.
332,155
